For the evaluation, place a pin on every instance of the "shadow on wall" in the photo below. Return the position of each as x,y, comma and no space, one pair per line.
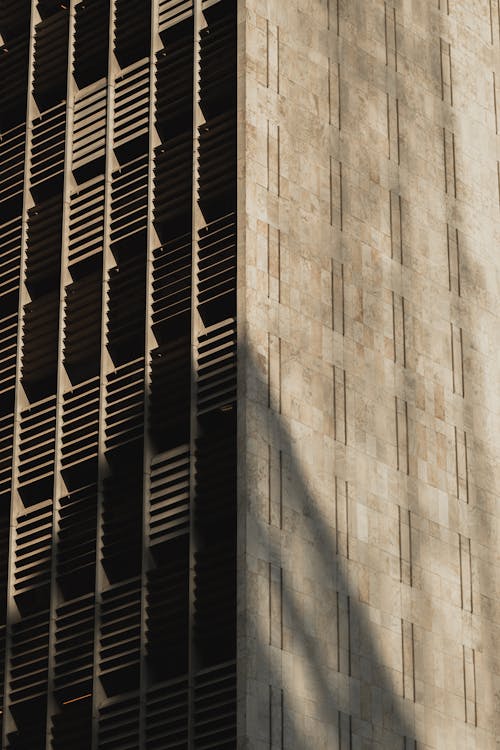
349,690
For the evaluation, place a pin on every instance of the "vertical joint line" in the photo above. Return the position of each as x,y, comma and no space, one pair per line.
339,96
281,487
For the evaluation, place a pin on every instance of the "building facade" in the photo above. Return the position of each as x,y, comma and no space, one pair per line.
249,394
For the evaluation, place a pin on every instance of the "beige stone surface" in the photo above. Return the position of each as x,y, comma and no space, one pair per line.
369,279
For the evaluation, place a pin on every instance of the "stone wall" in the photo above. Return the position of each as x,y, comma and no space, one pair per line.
369,275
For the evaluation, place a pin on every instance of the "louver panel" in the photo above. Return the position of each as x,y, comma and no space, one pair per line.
125,405
169,504
218,63
167,716
48,8
12,145
74,649
8,355
131,113
51,60
31,734
167,612
77,541
6,440
4,561
91,41
80,432
29,659
47,152
122,520
215,601
120,637
43,253
172,12
216,476
33,553
13,81
215,708
173,180
217,165
39,350
86,222
89,129
82,328
174,85
72,728
14,18
132,30
10,262
170,393
217,270
36,449
129,200
126,303
119,725
217,367
172,268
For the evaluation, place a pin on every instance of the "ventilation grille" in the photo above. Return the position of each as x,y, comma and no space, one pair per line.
36,446
6,441
119,725
126,303
47,152
82,328
10,261
80,432
8,355
89,130
167,716
29,659
120,637
125,405
12,173
86,223
91,41
167,612
129,201
172,268
174,85
169,508
43,254
51,60
217,367
77,541
170,393
132,30
74,649
39,349
172,12
217,270
33,552
215,708
131,114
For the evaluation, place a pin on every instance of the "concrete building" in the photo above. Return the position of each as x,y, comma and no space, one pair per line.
249,394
